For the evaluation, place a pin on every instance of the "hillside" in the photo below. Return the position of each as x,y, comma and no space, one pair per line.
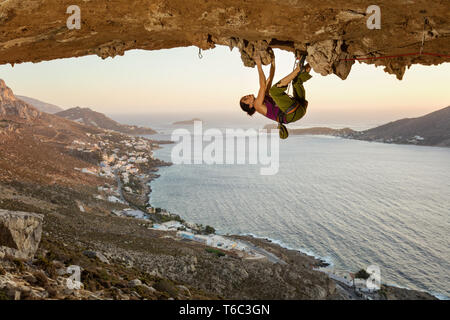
33,143
13,108
120,257
186,122
39,157
432,129
92,118
40,105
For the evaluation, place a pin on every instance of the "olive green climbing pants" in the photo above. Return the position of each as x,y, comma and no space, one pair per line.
284,101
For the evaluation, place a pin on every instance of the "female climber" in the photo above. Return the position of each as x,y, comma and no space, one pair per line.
273,101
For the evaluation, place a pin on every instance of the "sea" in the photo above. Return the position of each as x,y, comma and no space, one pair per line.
351,203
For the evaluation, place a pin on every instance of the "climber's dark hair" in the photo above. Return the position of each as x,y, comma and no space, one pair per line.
246,108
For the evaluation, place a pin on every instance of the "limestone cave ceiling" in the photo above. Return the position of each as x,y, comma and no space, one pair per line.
333,33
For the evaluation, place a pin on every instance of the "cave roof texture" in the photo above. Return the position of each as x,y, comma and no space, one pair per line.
333,33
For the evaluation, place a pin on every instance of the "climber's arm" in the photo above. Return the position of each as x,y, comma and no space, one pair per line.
262,84
270,78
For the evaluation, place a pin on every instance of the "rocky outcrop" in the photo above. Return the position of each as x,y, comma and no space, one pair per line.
13,108
40,105
92,118
96,255
329,30
20,233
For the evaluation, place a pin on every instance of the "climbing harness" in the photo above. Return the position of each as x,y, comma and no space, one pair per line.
281,117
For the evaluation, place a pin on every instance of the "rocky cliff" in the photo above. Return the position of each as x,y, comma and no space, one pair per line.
20,233
330,31
11,107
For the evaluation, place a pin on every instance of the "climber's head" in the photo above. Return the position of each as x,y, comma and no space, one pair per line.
247,104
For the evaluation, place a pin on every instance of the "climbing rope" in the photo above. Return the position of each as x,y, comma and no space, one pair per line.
301,62
420,53
290,83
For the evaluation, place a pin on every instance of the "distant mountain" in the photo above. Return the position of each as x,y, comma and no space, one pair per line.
12,108
95,119
186,122
432,129
40,105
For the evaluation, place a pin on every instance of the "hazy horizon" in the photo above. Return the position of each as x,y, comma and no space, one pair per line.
176,84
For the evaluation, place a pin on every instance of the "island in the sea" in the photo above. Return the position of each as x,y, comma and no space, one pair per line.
186,122
316,131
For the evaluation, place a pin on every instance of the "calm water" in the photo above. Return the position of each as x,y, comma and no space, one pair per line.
352,203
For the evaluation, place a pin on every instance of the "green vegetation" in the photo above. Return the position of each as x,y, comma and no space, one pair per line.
209,230
164,285
19,264
14,205
3,295
46,265
362,274
41,279
217,252
383,292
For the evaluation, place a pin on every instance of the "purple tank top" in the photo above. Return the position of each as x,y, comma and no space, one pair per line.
272,108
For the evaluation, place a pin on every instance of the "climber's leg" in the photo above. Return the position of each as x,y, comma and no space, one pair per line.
299,90
280,97
288,79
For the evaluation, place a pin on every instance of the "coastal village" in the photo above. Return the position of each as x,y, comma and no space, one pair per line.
129,162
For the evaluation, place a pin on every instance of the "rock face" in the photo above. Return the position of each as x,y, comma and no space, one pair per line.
11,107
329,30
20,233
96,255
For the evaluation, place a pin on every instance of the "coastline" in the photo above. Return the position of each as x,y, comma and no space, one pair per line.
320,262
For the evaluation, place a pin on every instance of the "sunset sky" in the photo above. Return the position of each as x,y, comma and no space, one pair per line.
176,81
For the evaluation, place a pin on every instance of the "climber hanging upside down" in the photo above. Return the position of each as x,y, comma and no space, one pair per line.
273,101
